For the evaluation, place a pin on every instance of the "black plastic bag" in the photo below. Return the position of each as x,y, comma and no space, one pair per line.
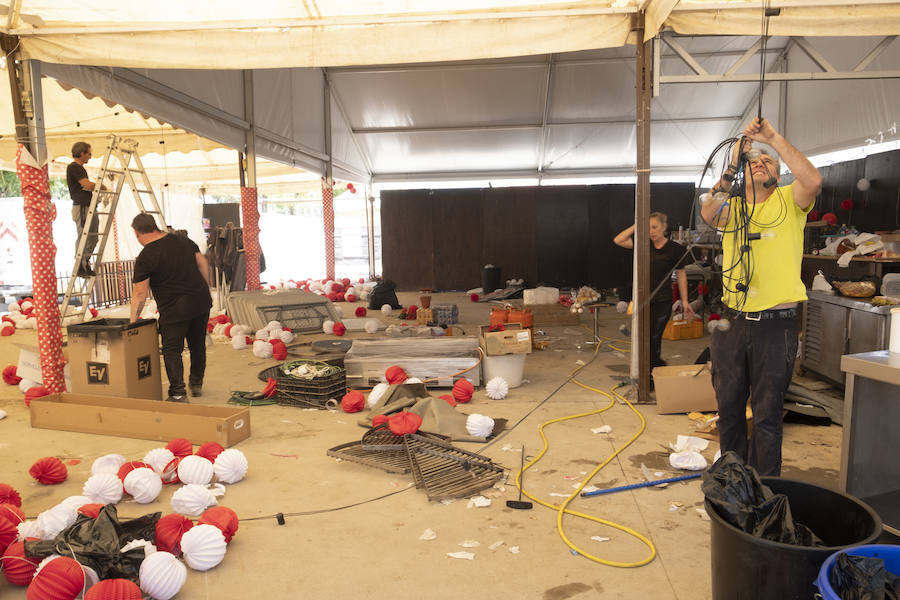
863,578
739,496
384,293
97,543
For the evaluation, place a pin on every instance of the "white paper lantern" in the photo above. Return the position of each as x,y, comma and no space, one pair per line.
723,324
273,326
621,306
14,307
230,466
339,311
286,336
203,547
26,384
54,520
376,394
350,290
497,388
479,425
143,484
103,488
262,349
90,579
29,529
73,503
413,380
218,329
262,334
29,322
26,304
158,458
109,463
328,326
386,309
371,326
239,342
195,469
148,547
162,575
192,499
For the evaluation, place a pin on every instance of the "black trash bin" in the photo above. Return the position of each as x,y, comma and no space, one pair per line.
745,567
490,279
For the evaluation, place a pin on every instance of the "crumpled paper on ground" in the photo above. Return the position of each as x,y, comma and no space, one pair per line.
689,461
689,443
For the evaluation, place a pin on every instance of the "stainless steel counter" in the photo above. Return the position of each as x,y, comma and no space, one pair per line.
870,469
864,304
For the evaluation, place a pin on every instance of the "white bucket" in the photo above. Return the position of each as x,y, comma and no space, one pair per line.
510,367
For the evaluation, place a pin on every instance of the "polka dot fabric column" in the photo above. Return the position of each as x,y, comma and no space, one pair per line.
328,219
250,220
39,216
120,276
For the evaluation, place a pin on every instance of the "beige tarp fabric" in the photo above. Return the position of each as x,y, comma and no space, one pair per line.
871,20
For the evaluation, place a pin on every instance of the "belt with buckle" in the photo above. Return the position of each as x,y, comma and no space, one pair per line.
781,313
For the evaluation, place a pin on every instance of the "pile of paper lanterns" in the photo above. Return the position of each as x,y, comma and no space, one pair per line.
336,290
21,316
202,545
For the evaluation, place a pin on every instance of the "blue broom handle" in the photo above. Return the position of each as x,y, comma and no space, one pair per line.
644,484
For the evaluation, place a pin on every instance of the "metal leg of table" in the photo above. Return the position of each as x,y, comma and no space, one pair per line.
596,339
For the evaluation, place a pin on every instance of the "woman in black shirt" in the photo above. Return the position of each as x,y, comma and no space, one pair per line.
665,256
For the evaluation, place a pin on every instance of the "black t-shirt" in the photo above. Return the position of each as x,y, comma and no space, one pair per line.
662,261
74,174
180,290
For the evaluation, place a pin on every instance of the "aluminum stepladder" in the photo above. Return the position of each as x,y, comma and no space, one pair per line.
103,205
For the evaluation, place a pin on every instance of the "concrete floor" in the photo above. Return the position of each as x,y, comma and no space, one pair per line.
352,531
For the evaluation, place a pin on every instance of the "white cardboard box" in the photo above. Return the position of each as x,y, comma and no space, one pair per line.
29,366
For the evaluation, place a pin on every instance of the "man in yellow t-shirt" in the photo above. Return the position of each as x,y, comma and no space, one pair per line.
762,250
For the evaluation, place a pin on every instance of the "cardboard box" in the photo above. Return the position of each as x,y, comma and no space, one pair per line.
143,419
553,315
683,330
112,357
513,340
684,388
29,366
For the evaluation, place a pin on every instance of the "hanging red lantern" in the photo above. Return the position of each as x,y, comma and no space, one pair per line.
847,204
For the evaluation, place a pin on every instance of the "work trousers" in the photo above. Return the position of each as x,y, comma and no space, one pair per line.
659,317
173,337
79,215
753,359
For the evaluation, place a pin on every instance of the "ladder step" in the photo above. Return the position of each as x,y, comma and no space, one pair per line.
116,171
144,191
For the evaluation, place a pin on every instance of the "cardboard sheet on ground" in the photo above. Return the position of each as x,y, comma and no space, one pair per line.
437,415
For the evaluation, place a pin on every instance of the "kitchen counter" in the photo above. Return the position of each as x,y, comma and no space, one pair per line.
859,267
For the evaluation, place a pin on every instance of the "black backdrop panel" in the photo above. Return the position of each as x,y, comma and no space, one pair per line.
407,244
611,210
508,232
456,227
561,235
880,206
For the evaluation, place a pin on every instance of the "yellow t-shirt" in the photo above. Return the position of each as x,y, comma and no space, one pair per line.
774,264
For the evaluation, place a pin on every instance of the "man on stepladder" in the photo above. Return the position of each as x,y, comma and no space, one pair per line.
80,189
172,266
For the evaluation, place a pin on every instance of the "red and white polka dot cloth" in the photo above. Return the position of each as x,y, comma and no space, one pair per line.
250,219
328,220
39,215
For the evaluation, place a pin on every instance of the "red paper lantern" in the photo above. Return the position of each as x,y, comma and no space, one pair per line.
830,218
395,375
94,312
411,312
18,568
169,530
8,533
359,312
210,450
37,391
462,391
180,447
279,350
846,204
350,298
210,326
114,589
715,317
404,422
448,399
9,495
12,512
7,329
353,401
339,328
60,579
332,296
222,517
379,419
271,388
361,280
10,377
170,471
49,470
227,331
130,466
90,510
813,215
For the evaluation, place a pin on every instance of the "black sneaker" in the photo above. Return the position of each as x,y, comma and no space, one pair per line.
85,272
183,399
196,390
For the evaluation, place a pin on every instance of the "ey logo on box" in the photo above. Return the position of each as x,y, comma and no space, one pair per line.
143,366
97,372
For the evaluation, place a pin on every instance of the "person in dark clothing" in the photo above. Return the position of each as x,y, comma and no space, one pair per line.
665,256
174,269
80,189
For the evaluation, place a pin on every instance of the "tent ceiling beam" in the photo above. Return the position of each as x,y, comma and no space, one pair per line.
620,171
343,114
545,114
828,72
753,103
511,126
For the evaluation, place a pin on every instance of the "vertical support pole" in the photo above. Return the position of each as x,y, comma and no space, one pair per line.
31,167
328,188
249,207
370,226
640,332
